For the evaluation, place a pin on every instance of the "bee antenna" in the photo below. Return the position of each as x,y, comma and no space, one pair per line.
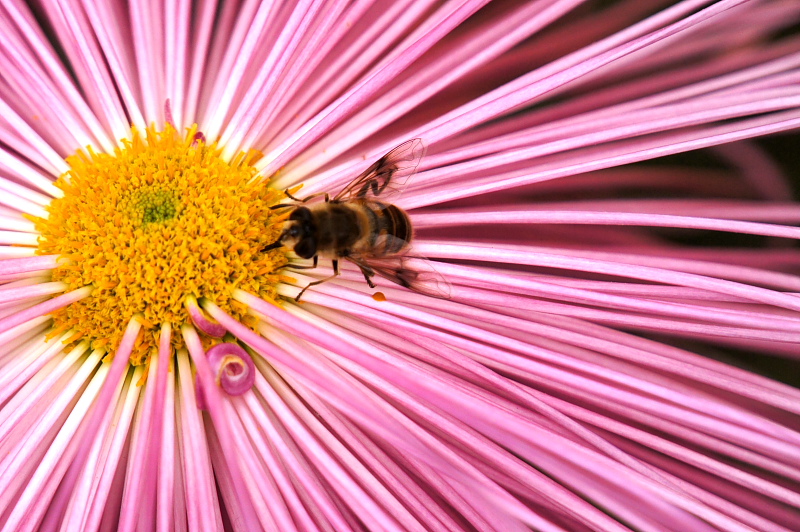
275,245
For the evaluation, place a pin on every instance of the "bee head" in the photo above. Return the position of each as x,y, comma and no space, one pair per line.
299,233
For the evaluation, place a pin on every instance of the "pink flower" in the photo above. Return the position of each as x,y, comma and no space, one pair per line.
573,372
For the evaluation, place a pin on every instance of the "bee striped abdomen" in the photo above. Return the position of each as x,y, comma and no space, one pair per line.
391,221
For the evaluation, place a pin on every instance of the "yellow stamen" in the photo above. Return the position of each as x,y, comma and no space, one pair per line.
162,218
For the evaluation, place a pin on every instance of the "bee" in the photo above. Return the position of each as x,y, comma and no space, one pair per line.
356,226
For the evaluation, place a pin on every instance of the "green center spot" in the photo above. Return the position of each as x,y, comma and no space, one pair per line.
149,206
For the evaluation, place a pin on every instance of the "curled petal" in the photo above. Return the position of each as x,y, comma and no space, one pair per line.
209,327
234,368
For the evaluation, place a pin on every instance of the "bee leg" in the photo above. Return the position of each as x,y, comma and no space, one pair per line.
309,285
368,276
369,281
304,266
312,196
366,270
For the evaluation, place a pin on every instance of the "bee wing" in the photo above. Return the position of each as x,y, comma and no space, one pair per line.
388,175
412,272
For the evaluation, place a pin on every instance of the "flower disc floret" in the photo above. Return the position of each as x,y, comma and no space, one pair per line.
163,218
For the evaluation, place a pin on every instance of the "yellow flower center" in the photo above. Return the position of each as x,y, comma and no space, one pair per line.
162,218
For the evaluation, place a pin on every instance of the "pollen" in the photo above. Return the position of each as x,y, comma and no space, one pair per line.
163,218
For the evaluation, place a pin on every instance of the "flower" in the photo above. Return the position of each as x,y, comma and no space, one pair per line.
578,369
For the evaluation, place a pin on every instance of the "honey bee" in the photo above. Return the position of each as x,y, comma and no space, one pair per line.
356,226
